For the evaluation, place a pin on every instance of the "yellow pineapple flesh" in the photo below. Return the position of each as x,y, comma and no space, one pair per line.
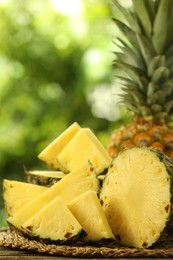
75,183
136,196
88,211
84,146
17,194
54,222
49,154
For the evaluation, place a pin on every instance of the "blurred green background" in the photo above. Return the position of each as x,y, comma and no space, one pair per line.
55,68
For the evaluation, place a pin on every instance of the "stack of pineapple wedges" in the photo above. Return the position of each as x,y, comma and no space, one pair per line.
93,199
65,210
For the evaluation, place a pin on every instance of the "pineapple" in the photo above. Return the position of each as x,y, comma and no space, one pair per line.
69,187
136,196
17,194
88,211
49,154
144,66
45,178
54,222
49,178
82,147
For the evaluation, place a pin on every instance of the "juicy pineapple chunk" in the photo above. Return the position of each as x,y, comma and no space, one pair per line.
82,147
17,194
136,196
88,211
49,154
54,222
71,186
45,178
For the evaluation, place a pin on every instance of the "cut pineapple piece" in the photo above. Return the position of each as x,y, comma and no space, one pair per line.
45,178
17,194
88,211
136,196
71,186
49,178
54,222
49,154
84,146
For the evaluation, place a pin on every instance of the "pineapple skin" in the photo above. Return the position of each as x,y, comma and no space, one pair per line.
44,178
121,196
142,133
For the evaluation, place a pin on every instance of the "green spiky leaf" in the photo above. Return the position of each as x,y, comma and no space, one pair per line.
162,28
142,12
129,17
128,32
146,48
155,63
160,75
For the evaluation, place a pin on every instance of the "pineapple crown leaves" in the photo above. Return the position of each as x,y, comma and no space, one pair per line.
146,57
162,27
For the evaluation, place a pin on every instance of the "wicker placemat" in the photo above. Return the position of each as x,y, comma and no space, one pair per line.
12,239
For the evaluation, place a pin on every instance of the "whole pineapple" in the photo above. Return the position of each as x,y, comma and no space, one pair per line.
145,64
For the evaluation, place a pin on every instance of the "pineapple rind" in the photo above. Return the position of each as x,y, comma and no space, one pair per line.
17,194
71,186
44,178
54,222
136,197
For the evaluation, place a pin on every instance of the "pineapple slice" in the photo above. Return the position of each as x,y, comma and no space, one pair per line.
54,222
136,196
49,178
17,194
45,178
82,147
71,186
88,211
49,154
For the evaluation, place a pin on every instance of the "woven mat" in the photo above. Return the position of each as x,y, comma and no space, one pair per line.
12,239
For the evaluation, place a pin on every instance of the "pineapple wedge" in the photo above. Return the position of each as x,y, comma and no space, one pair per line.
17,194
45,178
136,196
49,178
71,186
49,154
82,147
54,222
88,211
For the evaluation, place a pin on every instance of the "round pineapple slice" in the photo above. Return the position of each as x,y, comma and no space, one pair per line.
136,196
